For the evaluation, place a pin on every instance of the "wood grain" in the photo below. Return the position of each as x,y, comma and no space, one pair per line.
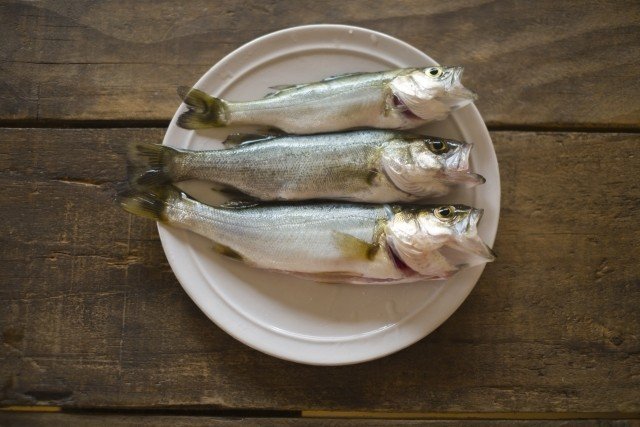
552,64
92,316
78,420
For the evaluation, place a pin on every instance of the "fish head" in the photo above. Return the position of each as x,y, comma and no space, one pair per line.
431,93
426,165
437,241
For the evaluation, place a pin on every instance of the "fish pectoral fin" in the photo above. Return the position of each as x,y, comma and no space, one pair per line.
226,251
372,176
354,248
237,139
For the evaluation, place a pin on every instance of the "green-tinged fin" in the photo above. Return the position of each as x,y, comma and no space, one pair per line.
204,111
148,164
354,248
227,251
372,175
333,277
150,205
236,139
239,204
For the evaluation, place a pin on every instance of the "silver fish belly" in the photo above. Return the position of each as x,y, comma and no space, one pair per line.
396,99
368,166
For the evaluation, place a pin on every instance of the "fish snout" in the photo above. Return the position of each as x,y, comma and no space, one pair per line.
459,161
456,76
475,216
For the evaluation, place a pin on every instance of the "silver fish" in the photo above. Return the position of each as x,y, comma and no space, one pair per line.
397,99
330,242
368,166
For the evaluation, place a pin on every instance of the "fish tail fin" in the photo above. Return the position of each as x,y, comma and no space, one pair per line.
149,164
148,204
204,111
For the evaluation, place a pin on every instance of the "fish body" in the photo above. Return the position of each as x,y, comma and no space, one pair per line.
397,99
330,242
368,166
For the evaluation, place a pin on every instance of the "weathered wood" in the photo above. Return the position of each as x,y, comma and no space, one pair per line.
78,420
546,63
92,316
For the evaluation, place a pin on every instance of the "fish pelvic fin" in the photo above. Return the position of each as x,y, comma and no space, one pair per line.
227,251
203,110
353,248
149,164
148,204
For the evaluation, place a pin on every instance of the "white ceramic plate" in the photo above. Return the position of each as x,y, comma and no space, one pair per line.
300,320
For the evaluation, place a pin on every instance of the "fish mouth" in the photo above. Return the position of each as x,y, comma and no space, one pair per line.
476,215
459,160
460,95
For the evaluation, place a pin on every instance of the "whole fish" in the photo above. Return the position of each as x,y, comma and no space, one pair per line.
370,165
330,242
397,99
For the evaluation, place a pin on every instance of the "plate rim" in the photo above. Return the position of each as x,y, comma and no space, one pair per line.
166,234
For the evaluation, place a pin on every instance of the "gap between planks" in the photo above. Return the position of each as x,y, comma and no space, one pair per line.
119,124
334,414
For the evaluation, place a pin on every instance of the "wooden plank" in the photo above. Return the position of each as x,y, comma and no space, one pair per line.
92,316
116,420
544,64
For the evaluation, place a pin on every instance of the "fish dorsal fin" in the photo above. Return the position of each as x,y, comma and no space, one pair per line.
353,248
339,76
285,87
236,139
239,204
278,89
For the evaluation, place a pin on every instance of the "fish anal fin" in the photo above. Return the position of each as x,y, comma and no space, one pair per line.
237,139
239,204
227,251
354,248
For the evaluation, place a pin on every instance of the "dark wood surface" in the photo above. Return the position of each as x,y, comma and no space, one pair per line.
77,420
91,315
550,64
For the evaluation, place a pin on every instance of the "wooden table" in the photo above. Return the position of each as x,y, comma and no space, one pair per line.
95,327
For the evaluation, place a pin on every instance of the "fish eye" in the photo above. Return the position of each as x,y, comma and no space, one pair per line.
444,212
437,146
434,71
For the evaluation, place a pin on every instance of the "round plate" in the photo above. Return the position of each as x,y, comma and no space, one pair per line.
295,319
